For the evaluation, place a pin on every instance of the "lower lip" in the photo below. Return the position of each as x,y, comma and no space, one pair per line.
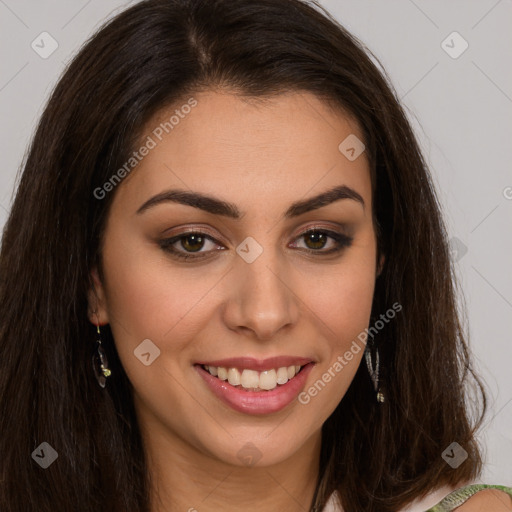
256,402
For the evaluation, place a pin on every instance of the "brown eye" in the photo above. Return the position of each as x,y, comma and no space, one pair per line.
192,242
190,245
315,239
322,241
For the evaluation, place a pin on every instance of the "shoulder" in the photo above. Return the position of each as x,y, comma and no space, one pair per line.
487,499
477,498
467,498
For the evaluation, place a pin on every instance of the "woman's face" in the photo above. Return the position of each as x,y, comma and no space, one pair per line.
260,292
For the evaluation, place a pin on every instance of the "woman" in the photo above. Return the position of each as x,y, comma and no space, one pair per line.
225,280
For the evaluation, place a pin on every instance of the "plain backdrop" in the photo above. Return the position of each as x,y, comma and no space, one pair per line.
450,63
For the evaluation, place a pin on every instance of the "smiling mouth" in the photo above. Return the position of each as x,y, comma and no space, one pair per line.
252,380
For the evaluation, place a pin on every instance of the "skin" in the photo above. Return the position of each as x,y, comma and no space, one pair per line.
286,302
489,499
262,157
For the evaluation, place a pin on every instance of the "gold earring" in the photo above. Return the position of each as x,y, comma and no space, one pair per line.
374,372
100,362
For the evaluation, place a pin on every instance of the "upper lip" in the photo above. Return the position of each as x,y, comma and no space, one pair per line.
251,363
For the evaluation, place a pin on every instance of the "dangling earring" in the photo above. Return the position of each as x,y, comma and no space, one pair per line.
100,362
374,373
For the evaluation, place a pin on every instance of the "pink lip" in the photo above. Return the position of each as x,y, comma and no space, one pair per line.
256,402
259,365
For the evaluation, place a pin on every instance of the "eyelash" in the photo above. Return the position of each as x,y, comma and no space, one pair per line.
342,242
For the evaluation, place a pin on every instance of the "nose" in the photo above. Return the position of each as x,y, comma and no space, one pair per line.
261,300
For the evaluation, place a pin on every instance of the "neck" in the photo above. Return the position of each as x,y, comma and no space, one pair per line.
186,479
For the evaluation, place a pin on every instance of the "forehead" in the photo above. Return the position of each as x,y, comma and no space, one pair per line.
253,151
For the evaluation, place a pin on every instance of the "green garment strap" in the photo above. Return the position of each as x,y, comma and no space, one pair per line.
460,496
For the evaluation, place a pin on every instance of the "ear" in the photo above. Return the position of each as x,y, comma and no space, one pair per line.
97,304
380,265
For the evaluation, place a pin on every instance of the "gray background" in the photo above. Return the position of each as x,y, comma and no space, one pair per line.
460,108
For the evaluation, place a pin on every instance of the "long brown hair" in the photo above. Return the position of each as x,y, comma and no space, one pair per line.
378,456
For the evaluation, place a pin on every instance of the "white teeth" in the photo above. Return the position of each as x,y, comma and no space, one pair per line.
282,375
268,379
233,376
252,379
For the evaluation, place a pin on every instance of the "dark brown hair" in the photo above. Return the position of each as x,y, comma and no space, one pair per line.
378,456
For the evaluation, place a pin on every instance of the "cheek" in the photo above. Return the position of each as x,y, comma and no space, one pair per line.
341,297
149,300
342,312
147,297
348,305
341,303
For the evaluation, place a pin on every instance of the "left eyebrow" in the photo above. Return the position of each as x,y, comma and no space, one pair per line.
218,207
323,199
